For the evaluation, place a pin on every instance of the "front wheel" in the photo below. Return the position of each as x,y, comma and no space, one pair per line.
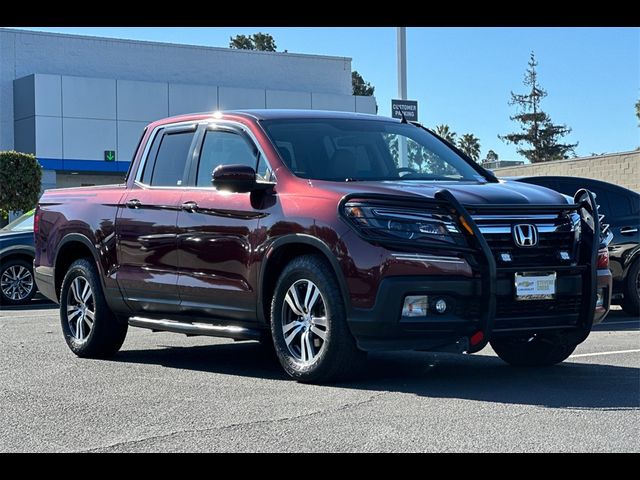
90,328
534,351
308,324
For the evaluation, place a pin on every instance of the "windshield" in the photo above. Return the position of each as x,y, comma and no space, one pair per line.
355,149
23,223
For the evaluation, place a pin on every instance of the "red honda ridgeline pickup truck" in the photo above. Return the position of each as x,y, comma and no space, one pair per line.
306,229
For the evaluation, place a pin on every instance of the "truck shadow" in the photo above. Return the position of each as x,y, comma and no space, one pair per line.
572,385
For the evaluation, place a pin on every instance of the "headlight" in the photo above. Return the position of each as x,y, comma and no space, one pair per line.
405,224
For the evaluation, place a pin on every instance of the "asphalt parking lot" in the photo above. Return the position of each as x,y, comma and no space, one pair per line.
167,392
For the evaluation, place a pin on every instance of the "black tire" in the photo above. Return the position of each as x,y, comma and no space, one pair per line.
538,351
338,357
631,302
106,333
20,295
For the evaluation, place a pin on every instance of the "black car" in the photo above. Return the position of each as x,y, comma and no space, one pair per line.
621,209
16,261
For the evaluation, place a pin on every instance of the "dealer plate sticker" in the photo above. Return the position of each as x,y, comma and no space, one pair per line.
535,286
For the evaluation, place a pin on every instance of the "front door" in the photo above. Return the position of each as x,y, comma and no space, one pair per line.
218,231
146,225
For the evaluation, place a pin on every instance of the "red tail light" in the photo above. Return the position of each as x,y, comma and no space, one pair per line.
603,258
36,221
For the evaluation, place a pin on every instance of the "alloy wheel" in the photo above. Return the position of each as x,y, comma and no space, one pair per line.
16,282
304,321
80,309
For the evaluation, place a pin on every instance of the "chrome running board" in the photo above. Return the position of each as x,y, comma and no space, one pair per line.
164,325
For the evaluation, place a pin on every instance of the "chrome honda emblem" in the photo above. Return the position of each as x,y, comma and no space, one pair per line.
525,235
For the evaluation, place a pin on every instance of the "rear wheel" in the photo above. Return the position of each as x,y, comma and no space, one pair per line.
16,282
90,328
308,324
534,351
631,302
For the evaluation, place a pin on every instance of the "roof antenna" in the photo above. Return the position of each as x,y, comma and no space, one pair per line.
404,120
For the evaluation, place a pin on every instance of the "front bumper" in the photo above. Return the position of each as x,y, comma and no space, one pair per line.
383,328
484,306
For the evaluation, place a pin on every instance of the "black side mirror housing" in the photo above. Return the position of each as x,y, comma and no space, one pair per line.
237,178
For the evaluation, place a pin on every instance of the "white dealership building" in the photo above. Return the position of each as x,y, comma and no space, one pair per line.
79,103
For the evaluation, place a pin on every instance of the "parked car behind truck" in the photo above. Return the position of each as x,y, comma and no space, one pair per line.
303,228
621,209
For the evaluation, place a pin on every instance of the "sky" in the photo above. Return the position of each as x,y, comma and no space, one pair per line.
462,76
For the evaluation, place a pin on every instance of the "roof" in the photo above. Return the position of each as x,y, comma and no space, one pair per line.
277,114
273,114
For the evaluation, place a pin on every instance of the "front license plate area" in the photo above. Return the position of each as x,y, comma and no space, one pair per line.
535,285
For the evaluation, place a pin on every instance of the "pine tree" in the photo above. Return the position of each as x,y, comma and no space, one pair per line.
536,128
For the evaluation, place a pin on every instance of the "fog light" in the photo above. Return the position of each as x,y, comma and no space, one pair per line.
600,298
441,306
415,306
564,256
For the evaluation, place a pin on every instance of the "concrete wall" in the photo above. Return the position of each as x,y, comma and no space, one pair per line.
121,84
619,168
68,121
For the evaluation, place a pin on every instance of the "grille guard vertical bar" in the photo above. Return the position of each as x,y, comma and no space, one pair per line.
488,280
587,206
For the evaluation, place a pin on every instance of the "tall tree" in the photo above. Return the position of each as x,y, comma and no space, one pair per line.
446,133
258,41
360,86
537,131
638,109
470,144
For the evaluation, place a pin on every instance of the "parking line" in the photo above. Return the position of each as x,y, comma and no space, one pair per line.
617,323
604,353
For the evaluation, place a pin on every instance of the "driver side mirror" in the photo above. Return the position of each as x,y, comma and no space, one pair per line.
237,178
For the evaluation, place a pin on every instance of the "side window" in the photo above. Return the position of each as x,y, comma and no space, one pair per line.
168,170
224,148
619,204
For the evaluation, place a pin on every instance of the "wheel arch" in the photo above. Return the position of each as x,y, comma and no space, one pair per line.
71,248
279,254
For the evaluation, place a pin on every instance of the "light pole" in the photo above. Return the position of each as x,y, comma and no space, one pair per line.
402,87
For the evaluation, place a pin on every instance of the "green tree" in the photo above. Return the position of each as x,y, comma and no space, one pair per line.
638,109
537,131
446,133
491,156
262,42
470,144
360,86
241,42
20,181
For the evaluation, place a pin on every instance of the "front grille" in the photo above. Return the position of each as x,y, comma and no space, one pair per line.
555,234
509,307
545,253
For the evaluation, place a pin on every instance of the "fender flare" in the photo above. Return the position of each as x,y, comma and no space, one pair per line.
304,239
18,250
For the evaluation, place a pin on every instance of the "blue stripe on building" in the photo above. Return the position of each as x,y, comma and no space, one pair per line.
69,165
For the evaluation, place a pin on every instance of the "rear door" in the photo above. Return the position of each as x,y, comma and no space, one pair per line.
218,230
146,224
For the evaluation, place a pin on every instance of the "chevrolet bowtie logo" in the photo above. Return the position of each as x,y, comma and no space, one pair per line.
525,235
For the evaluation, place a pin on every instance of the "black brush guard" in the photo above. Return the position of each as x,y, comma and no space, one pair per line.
584,204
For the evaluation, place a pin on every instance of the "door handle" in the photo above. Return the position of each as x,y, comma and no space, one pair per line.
628,230
190,206
133,203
